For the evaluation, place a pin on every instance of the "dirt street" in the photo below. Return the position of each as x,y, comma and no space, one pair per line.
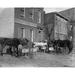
39,60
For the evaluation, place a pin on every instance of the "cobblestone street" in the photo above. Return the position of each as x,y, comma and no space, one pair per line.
39,60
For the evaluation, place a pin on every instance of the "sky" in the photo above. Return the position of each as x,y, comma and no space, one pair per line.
47,10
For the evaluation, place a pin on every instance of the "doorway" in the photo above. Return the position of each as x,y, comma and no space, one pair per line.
31,35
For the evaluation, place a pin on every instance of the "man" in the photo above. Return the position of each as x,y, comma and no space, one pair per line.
20,49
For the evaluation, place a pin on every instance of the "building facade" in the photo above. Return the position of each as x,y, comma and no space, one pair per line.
27,22
58,26
61,28
22,23
70,14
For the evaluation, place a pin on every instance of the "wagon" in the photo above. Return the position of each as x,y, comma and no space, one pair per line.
62,46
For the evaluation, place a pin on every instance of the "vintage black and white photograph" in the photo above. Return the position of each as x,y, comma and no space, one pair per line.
37,37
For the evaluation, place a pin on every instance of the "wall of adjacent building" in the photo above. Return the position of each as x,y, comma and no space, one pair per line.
49,18
7,23
49,22
60,29
70,14
57,26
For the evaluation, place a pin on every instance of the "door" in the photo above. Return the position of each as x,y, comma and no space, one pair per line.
21,33
31,35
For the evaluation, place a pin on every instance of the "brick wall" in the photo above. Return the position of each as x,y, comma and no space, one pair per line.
28,14
27,31
28,22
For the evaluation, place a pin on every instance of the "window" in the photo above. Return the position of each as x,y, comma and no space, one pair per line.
31,14
39,17
22,12
22,33
31,35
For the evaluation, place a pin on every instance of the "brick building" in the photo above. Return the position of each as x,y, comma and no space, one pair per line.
22,23
58,26
70,14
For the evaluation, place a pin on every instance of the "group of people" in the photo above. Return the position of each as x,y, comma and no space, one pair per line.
23,49
16,50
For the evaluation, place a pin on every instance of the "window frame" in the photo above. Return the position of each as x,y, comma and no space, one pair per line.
39,20
23,12
22,32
